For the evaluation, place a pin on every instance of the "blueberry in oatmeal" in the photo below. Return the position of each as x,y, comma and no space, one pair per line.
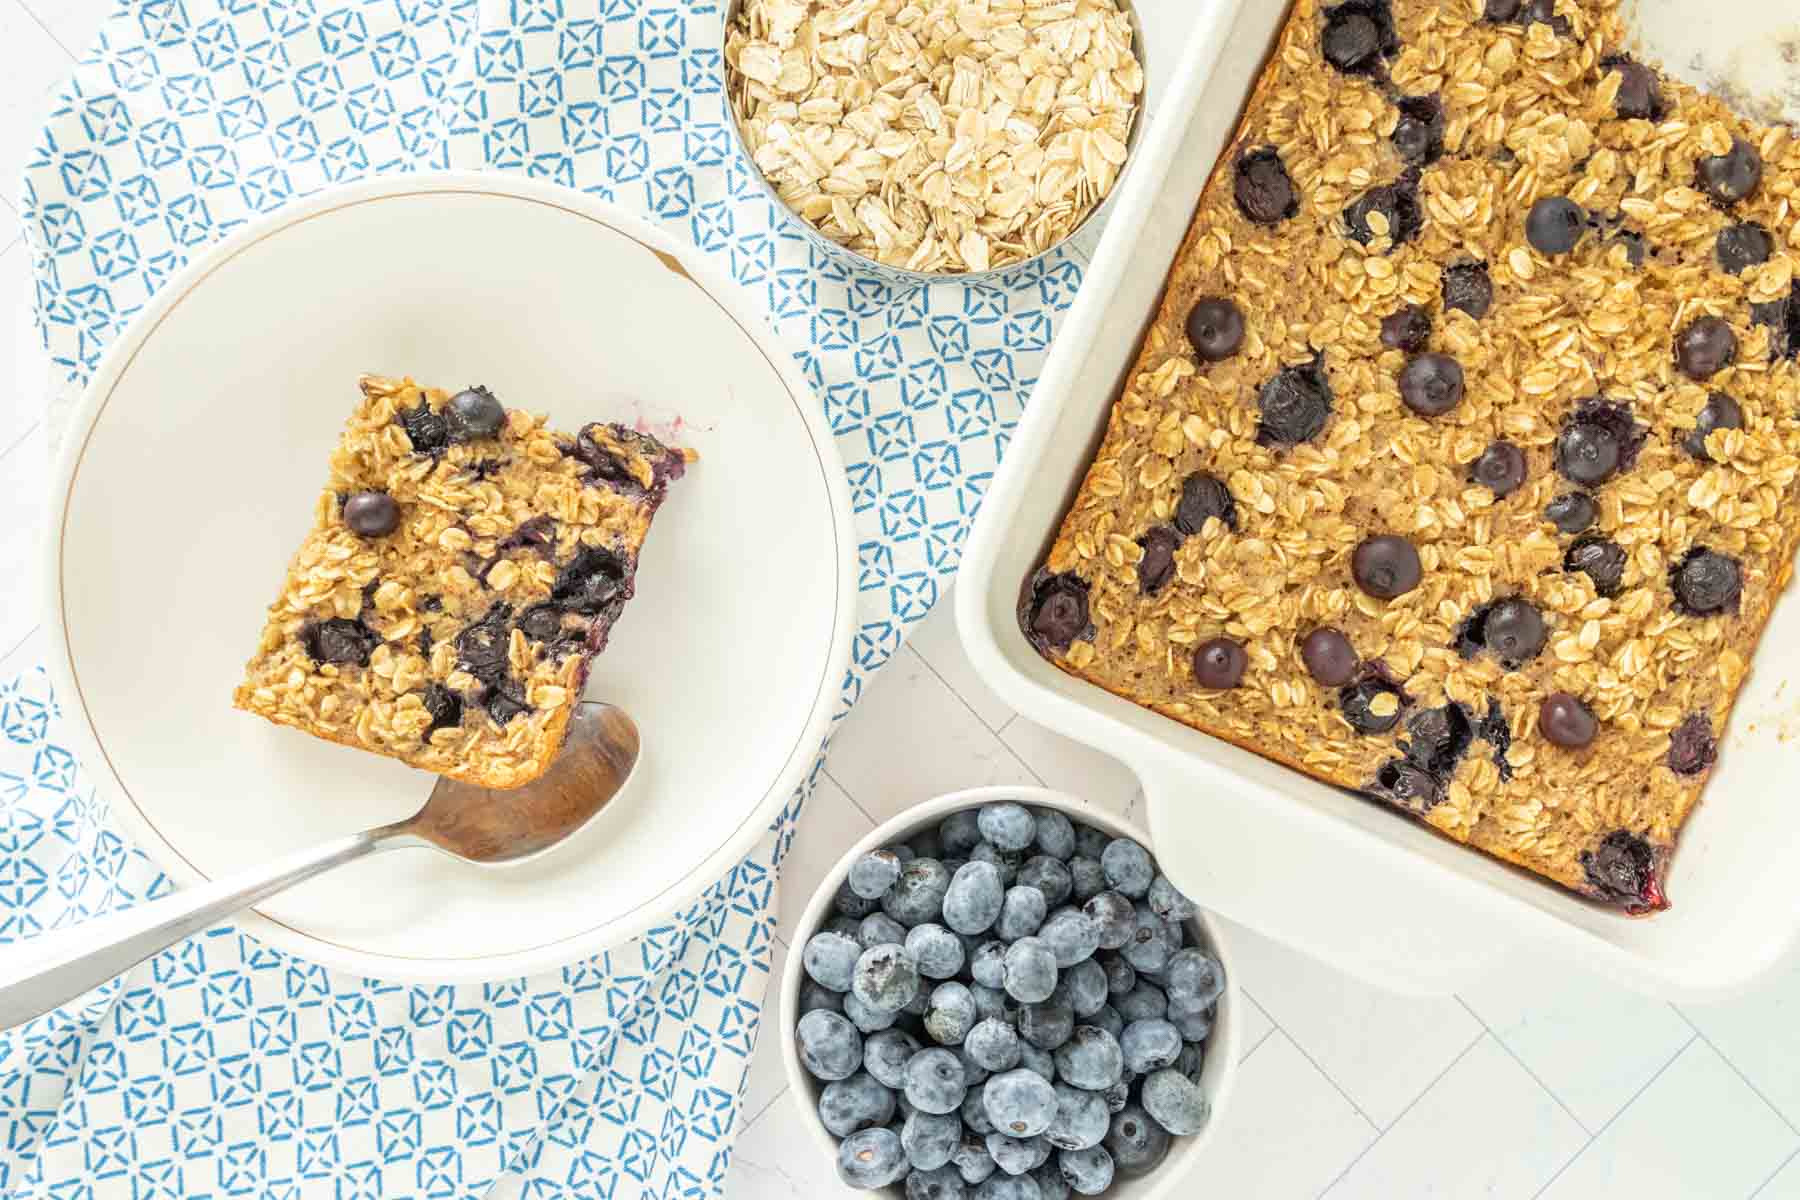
339,641
1408,329
1294,406
1157,566
1264,189
1731,176
1431,384
1215,328
1706,582
1204,495
1601,560
1721,412
1467,287
474,413
371,514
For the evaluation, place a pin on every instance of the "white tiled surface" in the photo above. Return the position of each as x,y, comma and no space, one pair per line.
1529,1085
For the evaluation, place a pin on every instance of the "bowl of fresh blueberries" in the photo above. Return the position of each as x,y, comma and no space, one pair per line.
999,996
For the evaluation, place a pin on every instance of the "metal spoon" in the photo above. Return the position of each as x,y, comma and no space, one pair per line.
470,823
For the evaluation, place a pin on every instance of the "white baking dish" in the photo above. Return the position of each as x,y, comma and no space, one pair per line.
1338,876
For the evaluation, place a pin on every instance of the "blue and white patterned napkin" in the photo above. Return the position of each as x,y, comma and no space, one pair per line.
223,1067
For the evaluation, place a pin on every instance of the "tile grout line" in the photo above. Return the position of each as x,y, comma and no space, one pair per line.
39,22
848,795
1779,1167
1756,1091
951,688
1326,1075
1381,1132
1524,1066
746,1121
1623,1109
21,439
16,645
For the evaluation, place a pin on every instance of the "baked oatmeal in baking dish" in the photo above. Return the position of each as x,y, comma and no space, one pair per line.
464,567
1457,466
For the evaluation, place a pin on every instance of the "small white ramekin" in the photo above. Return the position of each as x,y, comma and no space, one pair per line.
1216,1075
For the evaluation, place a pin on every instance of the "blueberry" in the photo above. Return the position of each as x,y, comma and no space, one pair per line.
1051,1185
1071,935
1692,747
1086,877
972,1161
1722,411
1500,468
1049,876
428,432
885,1055
1600,559
1706,582
991,1002
1091,1059
1565,720
1037,1061
1030,971
879,929
1203,495
1572,512
1020,916
1088,1172
474,413
1468,287
867,1019
935,1081
929,1139
1385,566
1055,833
974,898
815,995
1149,1046
1020,1103
1144,1002
1081,1119
1407,329
1129,870
1418,135
973,1112
958,833
1007,862
1120,977
1328,656
1705,347
1294,406
594,581
371,514
938,952
859,1102
1175,1102
1086,982
830,1047
1191,1060
1137,1143
941,1184
1114,917
1741,247
886,977
951,1014
1107,1017
987,965
1554,225
1167,902
830,959
847,903
918,895
1119,1094
871,1159
1192,1024
1731,176
1014,1156
1263,188
1638,97
1431,384
1398,204
344,641
1196,980
926,844
1047,1025
974,1074
1091,842
874,873
1008,826
1623,868
843,926
993,1044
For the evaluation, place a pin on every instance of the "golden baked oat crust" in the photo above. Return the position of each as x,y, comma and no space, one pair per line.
1593,461
464,567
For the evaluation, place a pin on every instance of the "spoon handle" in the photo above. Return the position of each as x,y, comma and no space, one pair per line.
42,972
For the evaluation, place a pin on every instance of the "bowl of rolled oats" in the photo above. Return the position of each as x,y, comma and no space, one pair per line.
928,139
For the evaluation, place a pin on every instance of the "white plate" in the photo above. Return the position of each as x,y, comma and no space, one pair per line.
188,481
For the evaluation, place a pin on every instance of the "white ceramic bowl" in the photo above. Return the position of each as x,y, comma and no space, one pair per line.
1216,1075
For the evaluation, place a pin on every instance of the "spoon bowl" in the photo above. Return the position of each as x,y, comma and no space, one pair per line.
475,825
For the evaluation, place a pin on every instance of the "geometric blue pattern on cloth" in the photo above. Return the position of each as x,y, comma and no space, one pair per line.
223,1067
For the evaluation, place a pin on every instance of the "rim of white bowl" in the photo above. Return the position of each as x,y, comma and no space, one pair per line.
1221,1043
